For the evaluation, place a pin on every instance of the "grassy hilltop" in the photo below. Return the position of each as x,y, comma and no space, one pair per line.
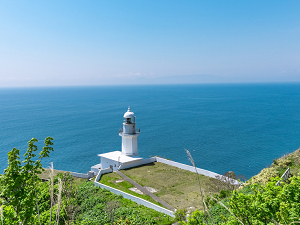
176,186
63,199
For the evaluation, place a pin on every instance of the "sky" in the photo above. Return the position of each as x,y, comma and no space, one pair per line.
65,43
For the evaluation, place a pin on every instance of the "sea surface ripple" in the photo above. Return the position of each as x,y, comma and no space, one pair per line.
226,127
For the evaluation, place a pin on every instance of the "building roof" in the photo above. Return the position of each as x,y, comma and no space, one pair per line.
129,114
118,157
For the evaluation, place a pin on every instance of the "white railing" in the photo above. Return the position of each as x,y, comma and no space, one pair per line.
284,176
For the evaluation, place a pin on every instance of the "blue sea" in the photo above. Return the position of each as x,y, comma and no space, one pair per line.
226,127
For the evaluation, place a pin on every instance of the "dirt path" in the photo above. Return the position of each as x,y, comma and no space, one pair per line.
145,191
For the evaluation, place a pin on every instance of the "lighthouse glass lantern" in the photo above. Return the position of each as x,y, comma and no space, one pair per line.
129,134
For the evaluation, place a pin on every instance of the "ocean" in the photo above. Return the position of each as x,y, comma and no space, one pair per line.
226,127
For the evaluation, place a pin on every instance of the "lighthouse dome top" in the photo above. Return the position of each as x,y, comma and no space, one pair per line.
129,114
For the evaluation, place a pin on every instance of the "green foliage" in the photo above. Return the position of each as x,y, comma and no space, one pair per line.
225,193
210,202
217,212
268,203
264,176
246,190
180,214
26,200
91,205
275,161
196,218
285,162
256,204
88,204
8,213
93,201
19,182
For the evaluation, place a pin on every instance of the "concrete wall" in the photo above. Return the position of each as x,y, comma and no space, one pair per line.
137,163
187,167
96,168
136,199
82,175
101,172
192,169
129,196
106,163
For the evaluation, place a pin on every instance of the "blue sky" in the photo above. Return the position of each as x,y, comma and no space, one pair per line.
55,43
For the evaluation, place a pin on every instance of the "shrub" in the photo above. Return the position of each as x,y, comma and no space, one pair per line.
180,214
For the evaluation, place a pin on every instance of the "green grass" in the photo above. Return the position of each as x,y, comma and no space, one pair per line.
109,179
177,187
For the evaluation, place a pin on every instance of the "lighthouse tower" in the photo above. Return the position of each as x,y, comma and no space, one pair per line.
129,135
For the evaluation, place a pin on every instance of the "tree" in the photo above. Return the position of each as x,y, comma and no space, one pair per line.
19,182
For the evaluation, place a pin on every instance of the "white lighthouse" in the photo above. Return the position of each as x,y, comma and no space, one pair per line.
129,135
128,157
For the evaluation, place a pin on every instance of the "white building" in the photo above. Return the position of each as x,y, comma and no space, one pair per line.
129,155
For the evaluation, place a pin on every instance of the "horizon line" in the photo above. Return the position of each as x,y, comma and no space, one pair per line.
159,84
